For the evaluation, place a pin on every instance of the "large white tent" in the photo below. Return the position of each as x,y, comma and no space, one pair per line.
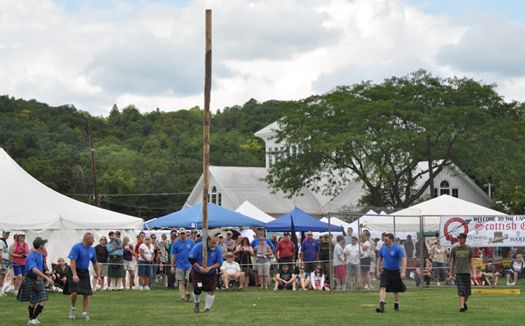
30,206
408,219
248,209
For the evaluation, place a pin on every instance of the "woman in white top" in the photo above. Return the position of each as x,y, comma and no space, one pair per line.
438,255
263,253
366,279
146,252
318,280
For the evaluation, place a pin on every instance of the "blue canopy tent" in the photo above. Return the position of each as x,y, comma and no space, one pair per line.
191,218
298,221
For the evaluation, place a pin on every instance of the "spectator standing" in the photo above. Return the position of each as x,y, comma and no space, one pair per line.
33,288
285,279
325,248
263,253
245,253
140,241
438,254
352,255
171,276
232,271
391,270
366,280
409,247
4,258
155,262
349,235
163,246
102,260
19,251
462,266
258,234
421,245
127,255
339,263
221,244
205,278
80,256
229,243
146,254
285,251
180,266
116,261
310,252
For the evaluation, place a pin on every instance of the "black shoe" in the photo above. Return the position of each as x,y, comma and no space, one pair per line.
396,307
462,310
196,309
188,297
381,308
465,306
206,310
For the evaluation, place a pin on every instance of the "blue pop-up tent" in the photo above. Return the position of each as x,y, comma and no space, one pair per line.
191,218
297,220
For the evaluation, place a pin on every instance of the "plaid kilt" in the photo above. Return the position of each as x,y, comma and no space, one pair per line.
32,290
82,287
463,284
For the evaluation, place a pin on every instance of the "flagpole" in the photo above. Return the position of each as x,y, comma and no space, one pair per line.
206,154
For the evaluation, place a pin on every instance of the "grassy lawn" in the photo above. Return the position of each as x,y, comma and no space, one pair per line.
257,307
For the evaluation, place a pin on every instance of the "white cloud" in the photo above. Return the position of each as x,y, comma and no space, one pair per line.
151,54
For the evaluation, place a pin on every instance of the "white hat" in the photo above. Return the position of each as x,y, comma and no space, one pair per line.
6,231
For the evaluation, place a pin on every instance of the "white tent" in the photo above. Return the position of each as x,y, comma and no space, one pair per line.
250,210
408,219
30,206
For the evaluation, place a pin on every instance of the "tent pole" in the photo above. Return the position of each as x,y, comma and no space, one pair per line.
206,154
330,253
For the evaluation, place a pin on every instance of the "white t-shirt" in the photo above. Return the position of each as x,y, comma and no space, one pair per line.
230,268
148,252
4,250
366,253
338,251
352,254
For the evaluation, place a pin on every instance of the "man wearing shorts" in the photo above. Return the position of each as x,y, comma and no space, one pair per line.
33,287
4,259
180,251
462,264
391,270
205,278
80,256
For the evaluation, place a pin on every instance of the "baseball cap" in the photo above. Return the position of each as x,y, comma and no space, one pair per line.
6,231
462,236
286,233
181,231
38,242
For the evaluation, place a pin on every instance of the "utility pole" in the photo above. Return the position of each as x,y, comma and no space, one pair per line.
206,154
93,162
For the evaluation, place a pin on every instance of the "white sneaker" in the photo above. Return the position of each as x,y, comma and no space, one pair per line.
438,284
36,321
73,313
141,288
85,316
366,286
146,288
32,322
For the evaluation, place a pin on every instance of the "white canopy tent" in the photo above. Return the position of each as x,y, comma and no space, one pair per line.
250,210
30,206
408,219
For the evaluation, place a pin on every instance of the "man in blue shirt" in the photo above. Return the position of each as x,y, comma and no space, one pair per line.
81,255
180,266
391,269
310,249
116,261
33,289
260,233
205,278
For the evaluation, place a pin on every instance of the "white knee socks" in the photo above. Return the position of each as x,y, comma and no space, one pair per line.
209,301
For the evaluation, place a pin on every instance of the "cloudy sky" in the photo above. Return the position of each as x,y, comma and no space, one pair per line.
94,53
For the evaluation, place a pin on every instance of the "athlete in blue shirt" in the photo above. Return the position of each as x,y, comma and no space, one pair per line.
391,259
180,266
205,278
78,282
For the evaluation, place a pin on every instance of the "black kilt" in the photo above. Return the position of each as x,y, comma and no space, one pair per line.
116,267
391,280
82,287
463,285
208,282
32,290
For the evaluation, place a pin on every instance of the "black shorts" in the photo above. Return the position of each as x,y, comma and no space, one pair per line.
463,285
365,264
82,287
285,286
391,280
204,282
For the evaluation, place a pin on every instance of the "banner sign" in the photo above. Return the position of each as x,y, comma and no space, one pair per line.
484,231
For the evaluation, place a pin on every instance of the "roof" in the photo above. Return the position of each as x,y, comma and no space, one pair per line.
28,204
269,130
251,210
446,205
241,184
302,222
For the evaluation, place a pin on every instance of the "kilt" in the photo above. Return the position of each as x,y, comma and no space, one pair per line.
463,284
116,267
391,280
208,281
32,290
82,287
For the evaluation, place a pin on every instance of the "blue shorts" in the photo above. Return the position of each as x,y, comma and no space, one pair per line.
19,269
144,269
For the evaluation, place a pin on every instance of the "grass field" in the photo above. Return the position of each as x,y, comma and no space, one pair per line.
434,306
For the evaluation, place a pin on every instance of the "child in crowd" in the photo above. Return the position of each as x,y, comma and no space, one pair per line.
318,280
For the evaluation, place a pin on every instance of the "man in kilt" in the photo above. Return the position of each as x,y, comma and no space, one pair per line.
33,287
462,264
205,278
81,255
391,270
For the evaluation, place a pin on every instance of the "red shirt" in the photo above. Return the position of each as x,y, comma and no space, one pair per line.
137,247
286,249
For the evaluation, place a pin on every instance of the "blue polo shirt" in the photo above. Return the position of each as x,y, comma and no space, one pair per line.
112,245
34,259
181,249
214,257
391,256
82,255
256,242
310,248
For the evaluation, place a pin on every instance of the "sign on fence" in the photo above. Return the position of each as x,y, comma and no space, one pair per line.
484,231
